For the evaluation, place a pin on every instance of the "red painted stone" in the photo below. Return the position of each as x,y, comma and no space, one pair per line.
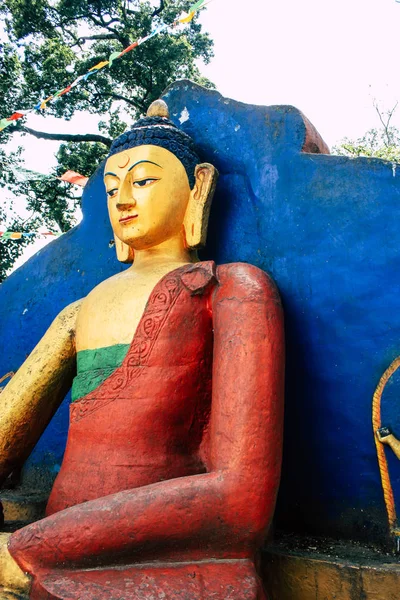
219,580
177,455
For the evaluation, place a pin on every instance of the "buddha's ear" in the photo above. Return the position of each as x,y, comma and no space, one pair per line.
125,253
198,209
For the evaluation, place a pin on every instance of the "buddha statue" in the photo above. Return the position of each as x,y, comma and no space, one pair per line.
171,469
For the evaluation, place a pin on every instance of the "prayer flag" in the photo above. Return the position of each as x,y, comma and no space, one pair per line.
43,104
186,18
112,57
4,123
88,74
128,49
75,178
76,81
196,6
65,90
15,116
99,65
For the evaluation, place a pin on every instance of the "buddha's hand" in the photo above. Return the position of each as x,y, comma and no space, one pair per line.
384,435
14,583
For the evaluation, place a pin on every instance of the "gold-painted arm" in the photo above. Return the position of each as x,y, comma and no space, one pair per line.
35,392
14,583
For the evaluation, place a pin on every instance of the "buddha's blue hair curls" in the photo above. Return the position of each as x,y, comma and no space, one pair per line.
160,131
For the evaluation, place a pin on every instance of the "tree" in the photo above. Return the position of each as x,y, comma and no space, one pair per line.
49,43
383,142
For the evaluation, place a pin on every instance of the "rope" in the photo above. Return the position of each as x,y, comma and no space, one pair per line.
380,450
6,376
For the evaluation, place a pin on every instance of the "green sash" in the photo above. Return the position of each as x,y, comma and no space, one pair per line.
95,366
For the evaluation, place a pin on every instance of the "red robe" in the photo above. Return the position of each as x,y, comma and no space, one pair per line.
175,458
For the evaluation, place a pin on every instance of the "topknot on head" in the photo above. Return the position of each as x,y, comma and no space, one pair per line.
158,108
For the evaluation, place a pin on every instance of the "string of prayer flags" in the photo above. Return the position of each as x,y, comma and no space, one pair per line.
22,174
184,18
17,235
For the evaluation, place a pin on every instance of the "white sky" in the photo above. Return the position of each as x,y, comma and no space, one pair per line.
326,58
329,59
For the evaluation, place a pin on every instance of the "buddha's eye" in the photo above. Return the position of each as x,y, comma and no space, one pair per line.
144,182
112,193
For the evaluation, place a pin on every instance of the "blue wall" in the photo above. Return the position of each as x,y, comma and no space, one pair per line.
327,230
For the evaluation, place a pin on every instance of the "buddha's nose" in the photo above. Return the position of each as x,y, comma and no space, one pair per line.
125,202
126,197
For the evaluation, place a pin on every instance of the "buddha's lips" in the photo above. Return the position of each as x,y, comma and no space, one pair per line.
128,218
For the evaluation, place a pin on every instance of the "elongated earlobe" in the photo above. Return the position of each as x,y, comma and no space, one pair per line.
198,210
125,253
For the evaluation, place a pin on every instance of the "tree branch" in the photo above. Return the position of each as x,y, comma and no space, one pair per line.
67,137
158,10
98,36
134,103
101,23
390,115
81,40
386,123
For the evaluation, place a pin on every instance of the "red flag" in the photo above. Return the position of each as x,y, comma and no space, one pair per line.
15,116
128,49
74,177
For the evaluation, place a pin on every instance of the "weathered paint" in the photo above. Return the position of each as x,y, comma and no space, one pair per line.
218,580
325,227
156,467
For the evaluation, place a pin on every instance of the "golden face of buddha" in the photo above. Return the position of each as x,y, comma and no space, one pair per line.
148,192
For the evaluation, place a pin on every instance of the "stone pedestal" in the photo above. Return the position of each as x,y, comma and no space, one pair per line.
339,571
21,508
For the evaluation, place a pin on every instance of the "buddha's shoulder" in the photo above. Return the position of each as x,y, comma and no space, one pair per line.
245,281
66,319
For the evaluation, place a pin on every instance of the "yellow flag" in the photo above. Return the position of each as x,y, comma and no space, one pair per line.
186,18
43,104
99,65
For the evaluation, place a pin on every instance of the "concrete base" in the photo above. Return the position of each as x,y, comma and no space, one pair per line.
339,571
21,508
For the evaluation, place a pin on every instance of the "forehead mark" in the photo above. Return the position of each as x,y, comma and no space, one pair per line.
144,161
124,160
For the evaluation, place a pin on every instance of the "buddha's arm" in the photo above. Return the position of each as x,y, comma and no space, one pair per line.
33,395
226,509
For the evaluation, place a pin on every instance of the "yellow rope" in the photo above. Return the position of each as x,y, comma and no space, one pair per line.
380,450
6,376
